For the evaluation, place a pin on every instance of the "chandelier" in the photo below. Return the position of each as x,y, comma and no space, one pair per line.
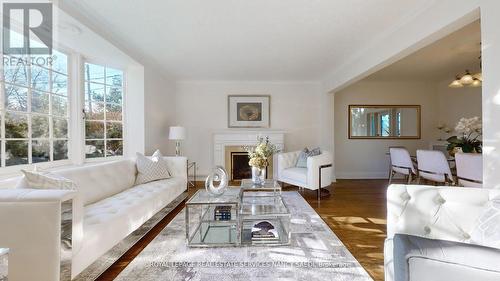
468,79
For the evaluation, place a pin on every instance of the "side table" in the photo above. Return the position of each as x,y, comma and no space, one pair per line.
189,166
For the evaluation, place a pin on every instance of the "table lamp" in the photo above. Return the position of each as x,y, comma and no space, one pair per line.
177,133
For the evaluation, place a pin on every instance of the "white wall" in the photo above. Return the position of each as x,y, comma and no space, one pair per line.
367,158
455,103
202,109
159,110
436,20
490,21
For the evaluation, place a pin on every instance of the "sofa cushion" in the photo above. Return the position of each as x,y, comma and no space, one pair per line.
296,174
96,182
108,221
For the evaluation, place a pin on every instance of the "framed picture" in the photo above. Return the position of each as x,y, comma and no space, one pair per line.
248,111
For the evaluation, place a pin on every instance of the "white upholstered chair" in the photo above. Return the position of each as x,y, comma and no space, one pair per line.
437,212
433,166
469,169
317,174
401,163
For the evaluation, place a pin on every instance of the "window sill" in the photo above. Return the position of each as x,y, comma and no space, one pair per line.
15,171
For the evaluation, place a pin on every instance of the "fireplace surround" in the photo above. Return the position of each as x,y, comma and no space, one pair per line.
229,141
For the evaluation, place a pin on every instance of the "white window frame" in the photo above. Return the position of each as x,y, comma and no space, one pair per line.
13,170
82,111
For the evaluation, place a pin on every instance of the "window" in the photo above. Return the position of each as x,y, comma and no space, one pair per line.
34,113
385,125
103,111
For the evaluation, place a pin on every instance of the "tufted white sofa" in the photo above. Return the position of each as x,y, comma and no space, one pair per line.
107,207
441,213
305,177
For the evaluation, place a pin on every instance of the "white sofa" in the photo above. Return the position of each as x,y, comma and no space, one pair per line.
440,214
106,209
319,168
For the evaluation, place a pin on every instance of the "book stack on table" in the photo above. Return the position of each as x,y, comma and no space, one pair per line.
222,213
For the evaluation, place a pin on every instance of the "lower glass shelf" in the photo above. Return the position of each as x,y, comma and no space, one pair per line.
215,234
281,225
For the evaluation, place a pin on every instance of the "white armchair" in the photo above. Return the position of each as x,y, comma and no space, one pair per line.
317,174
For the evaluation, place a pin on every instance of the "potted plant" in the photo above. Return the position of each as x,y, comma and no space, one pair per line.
259,158
469,138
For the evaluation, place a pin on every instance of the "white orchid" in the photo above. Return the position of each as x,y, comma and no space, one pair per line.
467,126
470,130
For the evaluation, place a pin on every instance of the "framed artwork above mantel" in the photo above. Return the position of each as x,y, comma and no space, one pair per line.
248,111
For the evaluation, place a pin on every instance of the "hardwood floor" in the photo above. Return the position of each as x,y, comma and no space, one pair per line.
355,211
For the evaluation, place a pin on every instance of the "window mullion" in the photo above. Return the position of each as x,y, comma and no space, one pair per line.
105,117
28,114
2,129
50,118
76,125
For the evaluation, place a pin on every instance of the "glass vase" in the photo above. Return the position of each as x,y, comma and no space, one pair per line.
258,175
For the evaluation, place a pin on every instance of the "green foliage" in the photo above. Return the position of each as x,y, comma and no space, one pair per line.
468,145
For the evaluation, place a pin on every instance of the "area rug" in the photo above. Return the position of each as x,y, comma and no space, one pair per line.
315,253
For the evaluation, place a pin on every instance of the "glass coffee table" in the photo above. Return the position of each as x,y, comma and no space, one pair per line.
213,221
248,215
269,185
263,203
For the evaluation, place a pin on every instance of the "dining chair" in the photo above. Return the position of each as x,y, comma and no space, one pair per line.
401,163
433,166
469,169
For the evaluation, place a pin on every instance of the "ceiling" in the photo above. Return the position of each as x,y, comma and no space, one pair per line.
442,60
245,40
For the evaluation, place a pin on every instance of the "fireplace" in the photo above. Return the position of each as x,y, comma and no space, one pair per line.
237,164
225,142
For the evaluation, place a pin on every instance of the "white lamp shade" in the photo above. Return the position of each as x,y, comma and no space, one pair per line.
177,133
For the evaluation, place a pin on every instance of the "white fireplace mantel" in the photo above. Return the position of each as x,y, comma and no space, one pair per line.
222,139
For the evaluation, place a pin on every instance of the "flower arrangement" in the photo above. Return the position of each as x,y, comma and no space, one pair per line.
259,155
469,141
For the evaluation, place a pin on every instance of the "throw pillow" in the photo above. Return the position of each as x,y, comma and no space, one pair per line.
314,152
486,232
151,168
45,180
302,160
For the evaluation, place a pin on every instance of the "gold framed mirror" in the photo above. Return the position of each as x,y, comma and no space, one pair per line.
384,122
